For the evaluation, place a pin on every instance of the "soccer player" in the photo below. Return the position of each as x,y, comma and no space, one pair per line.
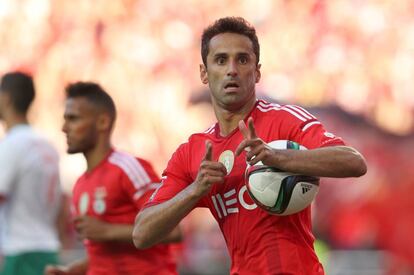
107,197
208,170
30,190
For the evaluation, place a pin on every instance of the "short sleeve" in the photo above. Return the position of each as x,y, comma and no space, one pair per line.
301,126
175,177
140,181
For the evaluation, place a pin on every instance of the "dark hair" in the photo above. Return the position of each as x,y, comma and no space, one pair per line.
232,25
21,89
94,93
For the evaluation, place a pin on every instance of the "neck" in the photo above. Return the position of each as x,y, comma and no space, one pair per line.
228,120
96,155
13,120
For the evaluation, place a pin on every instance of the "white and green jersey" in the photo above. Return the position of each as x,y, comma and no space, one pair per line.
29,179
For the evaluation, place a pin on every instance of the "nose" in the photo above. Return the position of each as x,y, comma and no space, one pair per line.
232,69
64,127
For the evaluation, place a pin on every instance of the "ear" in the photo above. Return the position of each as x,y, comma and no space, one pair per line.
104,122
5,97
258,73
203,74
5,101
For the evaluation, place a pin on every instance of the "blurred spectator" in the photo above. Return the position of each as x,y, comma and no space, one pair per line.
29,184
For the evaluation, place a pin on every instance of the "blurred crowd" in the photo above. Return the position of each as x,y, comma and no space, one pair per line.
351,62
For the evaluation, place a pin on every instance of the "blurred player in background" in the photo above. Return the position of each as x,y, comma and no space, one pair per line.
107,197
30,191
208,170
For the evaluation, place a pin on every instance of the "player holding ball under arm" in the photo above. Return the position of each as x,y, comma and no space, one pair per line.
208,170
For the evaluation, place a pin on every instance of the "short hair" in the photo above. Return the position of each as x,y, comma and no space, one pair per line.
229,25
19,86
95,94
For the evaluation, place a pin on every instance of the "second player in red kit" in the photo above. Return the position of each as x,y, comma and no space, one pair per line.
107,197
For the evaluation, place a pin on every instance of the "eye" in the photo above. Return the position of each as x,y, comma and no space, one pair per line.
220,60
243,60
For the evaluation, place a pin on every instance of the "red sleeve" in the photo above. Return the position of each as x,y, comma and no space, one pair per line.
301,126
175,177
150,170
141,201
141,187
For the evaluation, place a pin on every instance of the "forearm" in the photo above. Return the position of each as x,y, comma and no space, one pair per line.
155,222
335,161
119,232
79,267
174,236
101,231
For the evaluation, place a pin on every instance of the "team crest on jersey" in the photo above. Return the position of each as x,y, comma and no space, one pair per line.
227,158
99,204
83,203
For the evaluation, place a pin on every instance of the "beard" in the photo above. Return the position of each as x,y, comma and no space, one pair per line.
82,146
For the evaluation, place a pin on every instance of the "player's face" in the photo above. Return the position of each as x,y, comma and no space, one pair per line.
80,125
231,71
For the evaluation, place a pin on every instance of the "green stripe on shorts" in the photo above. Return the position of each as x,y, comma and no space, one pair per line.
31,263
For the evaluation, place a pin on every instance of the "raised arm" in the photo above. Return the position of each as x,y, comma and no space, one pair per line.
155,222
333,161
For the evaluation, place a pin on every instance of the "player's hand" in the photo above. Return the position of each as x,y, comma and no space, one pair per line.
91,228
56,270
209,173
257,149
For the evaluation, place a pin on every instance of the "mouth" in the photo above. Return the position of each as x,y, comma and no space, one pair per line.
231,86
68,140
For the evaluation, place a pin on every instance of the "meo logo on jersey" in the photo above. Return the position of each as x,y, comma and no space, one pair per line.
226,204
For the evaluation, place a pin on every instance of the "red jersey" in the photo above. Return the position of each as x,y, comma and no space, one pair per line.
258,243
114,192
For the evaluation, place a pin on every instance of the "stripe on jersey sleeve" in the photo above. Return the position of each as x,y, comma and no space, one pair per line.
131,166
301,111
294,110
294,113
309,125
210,130
152,186
266,107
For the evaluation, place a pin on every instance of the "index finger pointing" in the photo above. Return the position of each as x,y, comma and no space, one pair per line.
252,130
209,151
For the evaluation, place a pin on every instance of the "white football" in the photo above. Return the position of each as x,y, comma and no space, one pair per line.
279,192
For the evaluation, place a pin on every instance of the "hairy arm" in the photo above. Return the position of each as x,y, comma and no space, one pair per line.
333,161
155,222
175,236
